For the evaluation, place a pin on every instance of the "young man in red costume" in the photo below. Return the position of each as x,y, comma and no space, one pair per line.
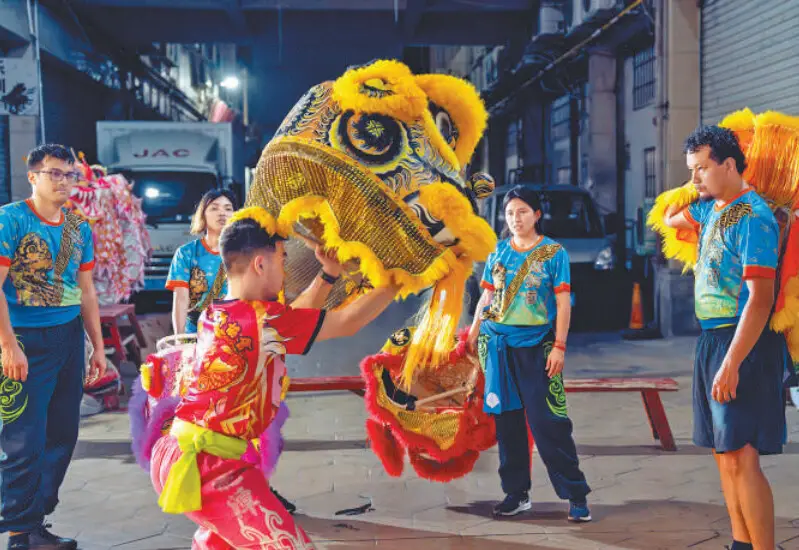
235,394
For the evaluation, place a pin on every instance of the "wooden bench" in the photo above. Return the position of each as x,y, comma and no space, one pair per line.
649,388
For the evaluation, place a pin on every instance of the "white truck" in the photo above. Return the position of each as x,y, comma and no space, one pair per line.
171,166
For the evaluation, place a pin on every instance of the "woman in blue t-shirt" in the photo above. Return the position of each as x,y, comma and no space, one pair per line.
527,294
197,276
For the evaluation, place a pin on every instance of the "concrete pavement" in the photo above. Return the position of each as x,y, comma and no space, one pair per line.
643,498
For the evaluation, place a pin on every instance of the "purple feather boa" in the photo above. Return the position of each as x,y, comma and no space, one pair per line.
137,407
146,430
271,444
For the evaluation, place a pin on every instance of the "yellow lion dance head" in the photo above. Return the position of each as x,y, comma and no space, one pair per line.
372,165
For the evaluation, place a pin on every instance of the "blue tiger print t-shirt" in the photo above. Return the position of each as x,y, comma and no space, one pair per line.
43,260
533,303
523,310
195,266
737,241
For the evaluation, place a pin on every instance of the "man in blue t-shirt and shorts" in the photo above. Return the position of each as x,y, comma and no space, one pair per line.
740,363
48,298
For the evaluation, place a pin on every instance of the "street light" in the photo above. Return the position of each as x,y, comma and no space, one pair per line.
230,82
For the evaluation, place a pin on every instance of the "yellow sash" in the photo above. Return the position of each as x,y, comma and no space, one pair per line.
181,492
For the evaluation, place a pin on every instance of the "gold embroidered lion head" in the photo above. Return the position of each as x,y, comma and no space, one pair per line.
372,165
380,154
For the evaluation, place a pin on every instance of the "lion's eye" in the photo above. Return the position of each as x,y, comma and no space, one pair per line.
444,124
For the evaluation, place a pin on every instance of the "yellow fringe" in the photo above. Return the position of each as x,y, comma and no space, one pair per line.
432,340
743,120
405,99
775,118
462,101
312,206
447,204
773,158
788,317
258,215
146,376
674,247
743,124
792,337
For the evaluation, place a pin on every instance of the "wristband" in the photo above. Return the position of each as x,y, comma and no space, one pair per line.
329,279
560,346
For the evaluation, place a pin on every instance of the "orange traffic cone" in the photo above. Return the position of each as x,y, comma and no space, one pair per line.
637,313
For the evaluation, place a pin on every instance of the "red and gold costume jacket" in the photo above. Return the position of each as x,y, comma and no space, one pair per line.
239,376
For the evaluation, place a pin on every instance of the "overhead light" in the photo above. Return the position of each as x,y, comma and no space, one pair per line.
230,82
151,193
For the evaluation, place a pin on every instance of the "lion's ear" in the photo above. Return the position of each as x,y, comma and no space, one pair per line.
386,87
457,110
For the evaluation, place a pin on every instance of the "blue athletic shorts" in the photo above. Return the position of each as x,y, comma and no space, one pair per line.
757,415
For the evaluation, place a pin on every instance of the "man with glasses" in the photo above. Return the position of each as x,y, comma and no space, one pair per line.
46,261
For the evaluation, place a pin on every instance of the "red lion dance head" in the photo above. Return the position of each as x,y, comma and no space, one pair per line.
439,421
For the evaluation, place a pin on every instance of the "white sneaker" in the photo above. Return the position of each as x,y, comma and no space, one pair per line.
90,406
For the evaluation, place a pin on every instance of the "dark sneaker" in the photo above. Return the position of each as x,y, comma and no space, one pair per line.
578,511
41,539
513,504
19,542
290,508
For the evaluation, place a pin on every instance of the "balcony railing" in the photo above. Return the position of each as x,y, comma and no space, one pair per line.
144,83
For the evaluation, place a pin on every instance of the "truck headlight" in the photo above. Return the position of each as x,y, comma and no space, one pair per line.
605,260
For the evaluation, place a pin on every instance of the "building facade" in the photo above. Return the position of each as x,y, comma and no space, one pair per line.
750,57
60,76
592,100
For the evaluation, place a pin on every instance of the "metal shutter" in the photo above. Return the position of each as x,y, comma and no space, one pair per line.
750,57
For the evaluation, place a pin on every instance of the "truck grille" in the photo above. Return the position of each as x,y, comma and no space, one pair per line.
158,266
